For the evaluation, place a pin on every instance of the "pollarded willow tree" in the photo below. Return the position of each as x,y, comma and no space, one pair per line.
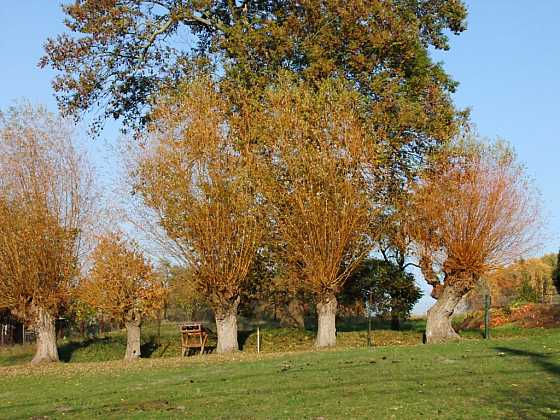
196,171
123,285
321,163
119,55
475,210
46,207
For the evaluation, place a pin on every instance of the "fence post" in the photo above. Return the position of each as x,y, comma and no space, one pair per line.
258,340
369,341
487,316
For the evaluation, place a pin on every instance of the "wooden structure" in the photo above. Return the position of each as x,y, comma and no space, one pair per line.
193,335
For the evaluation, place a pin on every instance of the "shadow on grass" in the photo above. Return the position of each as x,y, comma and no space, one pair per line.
530,401
242,337
195,351
361,324
15,359
149,347
106,348
66,351
540,359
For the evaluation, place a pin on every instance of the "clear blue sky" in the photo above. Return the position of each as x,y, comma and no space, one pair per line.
507,63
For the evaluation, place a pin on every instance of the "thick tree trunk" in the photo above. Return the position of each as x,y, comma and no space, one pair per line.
46,338
438,325
226,328
133,339
326,322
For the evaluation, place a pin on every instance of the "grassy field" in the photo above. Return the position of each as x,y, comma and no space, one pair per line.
112,346
515,377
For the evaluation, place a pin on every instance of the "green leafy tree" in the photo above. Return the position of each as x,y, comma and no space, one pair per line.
393,291
526,293
118,54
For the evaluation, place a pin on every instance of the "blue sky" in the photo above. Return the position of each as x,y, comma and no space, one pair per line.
507,63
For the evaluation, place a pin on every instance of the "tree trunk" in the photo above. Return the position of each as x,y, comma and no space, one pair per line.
46,338
132,339
395,322
293,313
326,322
438,325
226,328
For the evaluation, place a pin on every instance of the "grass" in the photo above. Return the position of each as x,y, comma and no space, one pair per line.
500,378
112,345
351,334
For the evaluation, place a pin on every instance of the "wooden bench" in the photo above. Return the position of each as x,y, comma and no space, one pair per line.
193,335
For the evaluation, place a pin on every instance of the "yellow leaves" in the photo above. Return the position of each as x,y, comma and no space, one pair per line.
200,179
318,191
45,202
121,282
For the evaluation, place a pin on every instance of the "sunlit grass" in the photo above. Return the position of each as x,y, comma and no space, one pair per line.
111,346
498,378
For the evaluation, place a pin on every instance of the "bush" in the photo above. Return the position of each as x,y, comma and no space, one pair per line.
525,294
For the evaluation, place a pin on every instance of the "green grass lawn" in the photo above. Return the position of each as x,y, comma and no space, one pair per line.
516,377
351,334
112,346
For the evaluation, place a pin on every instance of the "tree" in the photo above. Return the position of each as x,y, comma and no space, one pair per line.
556,273
272,288
396,243
318,170
506,283
46,208
198,173
185,298
120,54
122,284
393,291
475,211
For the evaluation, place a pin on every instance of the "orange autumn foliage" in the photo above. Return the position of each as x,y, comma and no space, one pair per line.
46,209
321,167
475,212
121,282
195,173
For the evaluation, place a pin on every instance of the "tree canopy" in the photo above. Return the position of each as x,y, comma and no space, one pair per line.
475,210
118,54
46,210
393,291
123,285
